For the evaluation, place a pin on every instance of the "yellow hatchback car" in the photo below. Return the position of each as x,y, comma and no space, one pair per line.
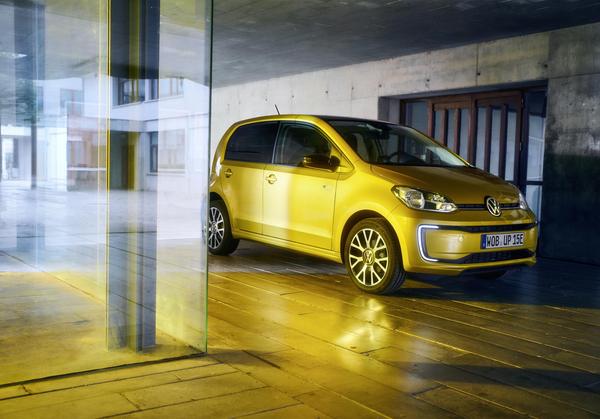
384,199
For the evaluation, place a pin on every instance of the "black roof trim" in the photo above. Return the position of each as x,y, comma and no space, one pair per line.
328,118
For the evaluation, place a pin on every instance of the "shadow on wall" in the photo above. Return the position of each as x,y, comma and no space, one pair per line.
570,204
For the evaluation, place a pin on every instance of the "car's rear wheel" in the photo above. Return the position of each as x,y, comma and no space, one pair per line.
219,238
372,257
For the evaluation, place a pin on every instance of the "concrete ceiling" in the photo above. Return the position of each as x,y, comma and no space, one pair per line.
260,39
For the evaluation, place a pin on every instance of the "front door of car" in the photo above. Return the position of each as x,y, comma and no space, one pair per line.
248,150
299,187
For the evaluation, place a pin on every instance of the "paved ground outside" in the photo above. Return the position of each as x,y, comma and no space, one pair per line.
290,336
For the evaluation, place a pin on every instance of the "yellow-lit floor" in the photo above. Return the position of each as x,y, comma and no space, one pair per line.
290,336
50,328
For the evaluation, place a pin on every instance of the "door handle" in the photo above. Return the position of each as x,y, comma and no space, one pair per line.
271,178
228,173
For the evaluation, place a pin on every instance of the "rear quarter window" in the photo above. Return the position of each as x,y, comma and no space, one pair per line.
252,143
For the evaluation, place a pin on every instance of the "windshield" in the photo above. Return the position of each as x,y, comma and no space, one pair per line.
388,144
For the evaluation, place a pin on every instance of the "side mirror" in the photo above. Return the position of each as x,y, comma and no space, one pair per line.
320,161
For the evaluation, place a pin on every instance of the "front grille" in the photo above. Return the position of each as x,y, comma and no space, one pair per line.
471,207
490,229
481,207
510,206
499,256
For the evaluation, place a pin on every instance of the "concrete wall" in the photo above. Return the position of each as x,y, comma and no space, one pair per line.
571,196
568,59
354,90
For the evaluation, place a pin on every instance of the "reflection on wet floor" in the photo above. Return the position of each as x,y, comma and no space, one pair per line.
528,343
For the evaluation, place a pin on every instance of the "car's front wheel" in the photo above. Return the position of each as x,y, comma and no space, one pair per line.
219,238
372,257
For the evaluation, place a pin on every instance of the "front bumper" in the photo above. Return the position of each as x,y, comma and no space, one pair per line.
449,244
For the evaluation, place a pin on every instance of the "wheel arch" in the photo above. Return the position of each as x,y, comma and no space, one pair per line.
354,219
214,196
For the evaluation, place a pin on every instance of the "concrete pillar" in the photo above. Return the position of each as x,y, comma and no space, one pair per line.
571,196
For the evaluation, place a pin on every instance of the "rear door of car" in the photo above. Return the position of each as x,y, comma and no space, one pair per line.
248,150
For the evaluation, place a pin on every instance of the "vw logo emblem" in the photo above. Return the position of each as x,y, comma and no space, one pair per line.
493,206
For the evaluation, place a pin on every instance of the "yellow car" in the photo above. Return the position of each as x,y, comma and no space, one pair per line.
384,199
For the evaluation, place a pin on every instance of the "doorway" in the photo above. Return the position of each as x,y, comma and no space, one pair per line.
120,156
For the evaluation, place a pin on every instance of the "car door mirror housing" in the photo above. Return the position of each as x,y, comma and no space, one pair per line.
320,161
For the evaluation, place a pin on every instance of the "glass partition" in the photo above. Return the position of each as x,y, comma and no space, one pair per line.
104,113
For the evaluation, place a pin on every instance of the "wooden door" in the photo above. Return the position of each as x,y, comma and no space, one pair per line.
484,129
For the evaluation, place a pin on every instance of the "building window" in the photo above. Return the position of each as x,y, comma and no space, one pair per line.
172,150
76,152
170,87
153,152
416,115
153,93
71,102
15,153
130,91
39,100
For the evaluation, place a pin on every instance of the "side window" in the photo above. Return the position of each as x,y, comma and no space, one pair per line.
252,143
298,141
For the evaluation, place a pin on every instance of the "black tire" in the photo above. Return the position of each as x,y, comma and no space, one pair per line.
372,257
490,276
220,241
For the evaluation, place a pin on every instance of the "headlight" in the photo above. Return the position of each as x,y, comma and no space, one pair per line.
422,200
522,202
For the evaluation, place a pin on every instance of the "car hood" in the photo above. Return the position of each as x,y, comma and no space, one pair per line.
463,185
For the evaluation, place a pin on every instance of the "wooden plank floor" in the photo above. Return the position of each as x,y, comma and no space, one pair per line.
290,336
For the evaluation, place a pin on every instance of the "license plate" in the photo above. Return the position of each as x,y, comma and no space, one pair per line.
494,241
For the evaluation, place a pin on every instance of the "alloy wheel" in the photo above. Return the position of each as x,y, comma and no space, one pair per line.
216,228
368,257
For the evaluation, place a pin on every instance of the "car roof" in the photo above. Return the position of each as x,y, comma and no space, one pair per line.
326,118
